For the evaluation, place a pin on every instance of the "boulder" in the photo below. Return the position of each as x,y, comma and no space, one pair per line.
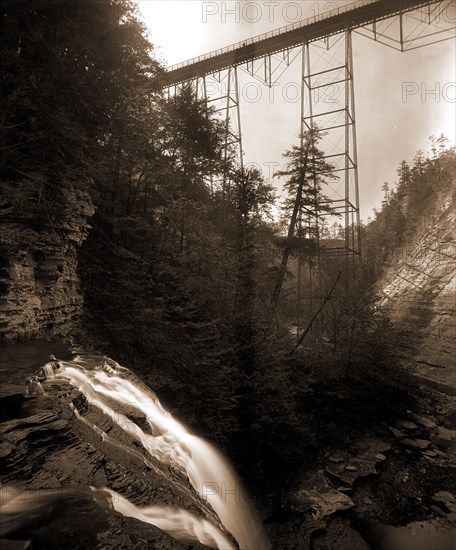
324,504
426,422
397,433
407,425
444,437
421,444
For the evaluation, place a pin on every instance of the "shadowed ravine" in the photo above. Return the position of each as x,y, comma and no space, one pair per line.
100,431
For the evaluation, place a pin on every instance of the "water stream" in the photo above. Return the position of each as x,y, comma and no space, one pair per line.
121,396
424,535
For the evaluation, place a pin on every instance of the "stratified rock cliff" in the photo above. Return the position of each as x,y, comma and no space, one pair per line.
39,286
419,290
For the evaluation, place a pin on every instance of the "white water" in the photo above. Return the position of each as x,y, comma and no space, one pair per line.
33,387
180,524
116,391
48,370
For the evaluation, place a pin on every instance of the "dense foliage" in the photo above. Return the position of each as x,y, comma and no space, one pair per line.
180,266
406,207
76,76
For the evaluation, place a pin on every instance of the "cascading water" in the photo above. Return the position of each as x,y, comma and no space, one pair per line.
180,524
115,390
33,387
49,370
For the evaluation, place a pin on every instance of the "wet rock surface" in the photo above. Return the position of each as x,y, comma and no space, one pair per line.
444,437
416,443
55,455
346,470
382,490
426,422
339,535
320,499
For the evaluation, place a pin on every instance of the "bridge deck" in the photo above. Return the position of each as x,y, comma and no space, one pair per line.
327,24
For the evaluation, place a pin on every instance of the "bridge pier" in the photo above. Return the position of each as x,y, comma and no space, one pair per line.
220,91
324,45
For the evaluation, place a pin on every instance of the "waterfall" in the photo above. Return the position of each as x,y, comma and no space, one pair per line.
120,395
49,370
180,524
33,387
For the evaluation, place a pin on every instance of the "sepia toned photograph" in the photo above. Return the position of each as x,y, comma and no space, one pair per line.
228,275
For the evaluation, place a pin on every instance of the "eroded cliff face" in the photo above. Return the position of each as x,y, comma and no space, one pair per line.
419,290
39,286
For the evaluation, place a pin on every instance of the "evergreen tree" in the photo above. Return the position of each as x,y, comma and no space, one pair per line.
307,171
74,76
251,197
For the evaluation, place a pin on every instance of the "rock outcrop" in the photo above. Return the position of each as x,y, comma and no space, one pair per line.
55,456
420,290
39,286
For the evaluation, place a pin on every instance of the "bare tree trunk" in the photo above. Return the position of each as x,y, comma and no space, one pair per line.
309,326
116,179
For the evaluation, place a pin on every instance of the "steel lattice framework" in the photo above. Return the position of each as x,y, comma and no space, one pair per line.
324,46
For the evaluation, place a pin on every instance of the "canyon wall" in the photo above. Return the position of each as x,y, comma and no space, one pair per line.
39,287
419,290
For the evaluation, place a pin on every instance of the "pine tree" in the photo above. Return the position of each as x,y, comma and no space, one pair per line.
76,76
307,171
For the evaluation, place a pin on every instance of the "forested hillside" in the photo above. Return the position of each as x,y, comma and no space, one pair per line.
416,273
75,79
129,227
410,205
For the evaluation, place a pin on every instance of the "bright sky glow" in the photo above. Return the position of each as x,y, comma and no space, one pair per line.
391,125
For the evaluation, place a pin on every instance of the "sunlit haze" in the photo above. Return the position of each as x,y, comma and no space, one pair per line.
391,126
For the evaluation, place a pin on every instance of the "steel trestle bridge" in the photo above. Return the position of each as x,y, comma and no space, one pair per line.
323,45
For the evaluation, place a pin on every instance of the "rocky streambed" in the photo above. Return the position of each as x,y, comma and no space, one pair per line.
393,487
53,462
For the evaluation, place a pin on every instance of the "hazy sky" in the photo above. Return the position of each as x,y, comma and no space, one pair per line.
401,98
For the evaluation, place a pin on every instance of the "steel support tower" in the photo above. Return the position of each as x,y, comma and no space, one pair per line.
323,45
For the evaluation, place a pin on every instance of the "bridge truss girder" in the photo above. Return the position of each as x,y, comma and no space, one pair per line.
327,97
220,92
410,30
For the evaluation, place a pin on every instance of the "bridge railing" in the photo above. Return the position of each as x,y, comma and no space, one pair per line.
270,34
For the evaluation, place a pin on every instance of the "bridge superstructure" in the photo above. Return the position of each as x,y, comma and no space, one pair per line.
364,16
323,46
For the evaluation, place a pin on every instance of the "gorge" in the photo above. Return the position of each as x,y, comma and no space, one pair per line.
188,360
